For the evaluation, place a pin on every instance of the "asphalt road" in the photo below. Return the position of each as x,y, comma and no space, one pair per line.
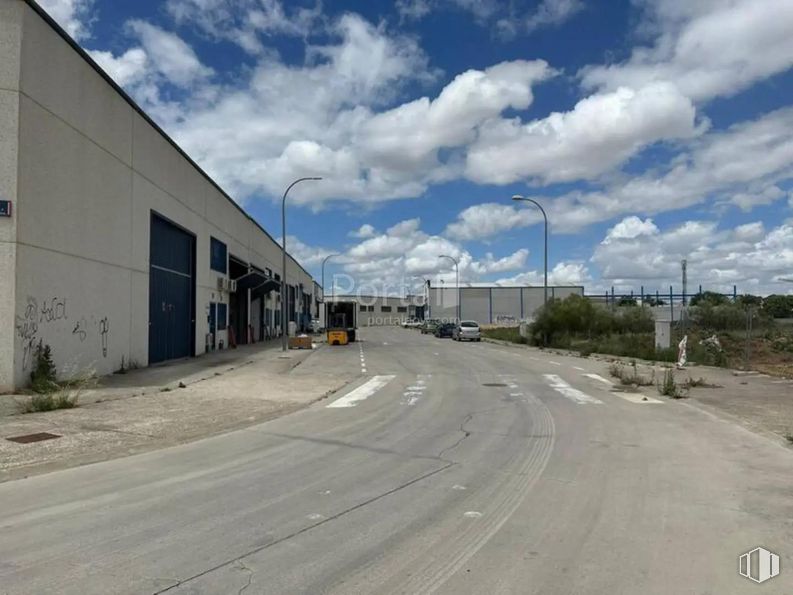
449,468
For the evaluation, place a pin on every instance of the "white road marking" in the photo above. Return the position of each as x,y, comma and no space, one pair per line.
363,392
568,391
599,378
515,394
315,517
417,387
410,401
472,514
457,486
578,368
553,363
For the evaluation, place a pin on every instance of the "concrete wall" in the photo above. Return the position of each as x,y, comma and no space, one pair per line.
10,47
493,305
91,171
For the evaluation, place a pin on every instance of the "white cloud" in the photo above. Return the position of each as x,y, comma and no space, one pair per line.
746,201
127,69
720,165
72,15
746,256
601,132
564,273
553,12
629,228
413,9
169,54
363,232
706,48
488,220
245,22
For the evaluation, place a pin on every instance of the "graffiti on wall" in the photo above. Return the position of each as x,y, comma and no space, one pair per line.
52,311
104,329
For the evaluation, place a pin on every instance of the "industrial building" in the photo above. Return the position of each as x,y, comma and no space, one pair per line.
492,304
116,249
385,310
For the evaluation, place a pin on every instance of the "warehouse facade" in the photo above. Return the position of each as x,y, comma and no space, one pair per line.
116,249
385,310
493,304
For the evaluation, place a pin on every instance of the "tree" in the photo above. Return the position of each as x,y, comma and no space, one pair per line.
778,306
627,301
710,298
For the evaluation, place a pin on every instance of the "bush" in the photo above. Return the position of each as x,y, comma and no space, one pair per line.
43,378
561,321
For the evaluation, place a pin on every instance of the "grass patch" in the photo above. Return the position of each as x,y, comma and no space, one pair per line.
629,376
700,382
49,402
505,333
60,395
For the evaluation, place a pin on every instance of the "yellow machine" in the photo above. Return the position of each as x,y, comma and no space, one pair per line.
336,337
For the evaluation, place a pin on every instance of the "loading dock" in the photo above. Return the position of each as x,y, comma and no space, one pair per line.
171,291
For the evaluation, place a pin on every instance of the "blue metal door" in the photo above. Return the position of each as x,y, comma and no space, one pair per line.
171,292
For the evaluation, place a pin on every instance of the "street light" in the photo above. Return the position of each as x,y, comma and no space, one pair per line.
457,274
539,206
324,260
284,324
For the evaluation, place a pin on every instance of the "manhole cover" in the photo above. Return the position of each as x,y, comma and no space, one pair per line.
27,438
494,384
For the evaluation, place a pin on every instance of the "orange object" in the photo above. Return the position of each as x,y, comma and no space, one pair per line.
337,338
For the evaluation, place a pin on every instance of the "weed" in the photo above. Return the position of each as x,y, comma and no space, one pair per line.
631,377
44,375
48,402
63,395
700,382
668,387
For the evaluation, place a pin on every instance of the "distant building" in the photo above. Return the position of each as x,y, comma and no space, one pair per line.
493,304
385,311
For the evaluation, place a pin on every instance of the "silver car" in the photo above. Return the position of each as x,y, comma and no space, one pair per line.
467,330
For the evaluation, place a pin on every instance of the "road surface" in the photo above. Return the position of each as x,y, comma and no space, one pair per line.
447,468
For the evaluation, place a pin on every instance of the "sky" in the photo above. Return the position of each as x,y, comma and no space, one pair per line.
651,131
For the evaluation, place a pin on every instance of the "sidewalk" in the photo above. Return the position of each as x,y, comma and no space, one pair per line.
165,405
756,401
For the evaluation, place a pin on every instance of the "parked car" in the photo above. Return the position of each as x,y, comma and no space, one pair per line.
412,323
445,329
467,330
429,326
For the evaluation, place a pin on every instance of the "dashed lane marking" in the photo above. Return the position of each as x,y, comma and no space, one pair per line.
363,392
553,363
569,392
599,378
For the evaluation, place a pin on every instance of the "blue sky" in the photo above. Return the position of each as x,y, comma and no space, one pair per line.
652,131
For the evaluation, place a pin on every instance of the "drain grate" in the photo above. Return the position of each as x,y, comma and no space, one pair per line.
494,384
28,438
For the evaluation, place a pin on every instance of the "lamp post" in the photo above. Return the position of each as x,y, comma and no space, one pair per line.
539,206
324,260
457,276
284,324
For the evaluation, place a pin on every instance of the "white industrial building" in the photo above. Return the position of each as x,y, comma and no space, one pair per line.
492,304
115,247
385,310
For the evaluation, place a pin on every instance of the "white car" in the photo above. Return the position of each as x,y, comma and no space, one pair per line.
467,330
411,323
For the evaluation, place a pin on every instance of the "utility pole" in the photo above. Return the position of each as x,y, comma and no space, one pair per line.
284,323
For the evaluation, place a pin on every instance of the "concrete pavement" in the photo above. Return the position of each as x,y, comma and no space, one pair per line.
464,468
